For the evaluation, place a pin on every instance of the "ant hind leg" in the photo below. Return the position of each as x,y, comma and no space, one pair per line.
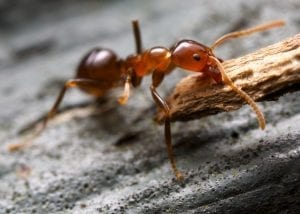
93,85
80,83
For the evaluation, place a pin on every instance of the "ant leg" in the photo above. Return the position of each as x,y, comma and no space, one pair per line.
246,97
135,80
130,78
137,36
157,78
81,83
246,32
124,97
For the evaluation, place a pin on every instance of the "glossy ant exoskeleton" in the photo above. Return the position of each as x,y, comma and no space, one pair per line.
101,70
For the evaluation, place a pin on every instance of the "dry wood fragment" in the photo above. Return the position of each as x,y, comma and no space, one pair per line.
261,74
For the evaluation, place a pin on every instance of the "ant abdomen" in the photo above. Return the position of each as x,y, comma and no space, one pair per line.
100,64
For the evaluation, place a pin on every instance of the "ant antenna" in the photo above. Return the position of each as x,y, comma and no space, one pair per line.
246,97
246,32
226,78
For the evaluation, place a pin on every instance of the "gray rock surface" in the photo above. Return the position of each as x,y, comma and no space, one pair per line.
114,161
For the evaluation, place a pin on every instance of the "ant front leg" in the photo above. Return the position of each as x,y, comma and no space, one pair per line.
157,78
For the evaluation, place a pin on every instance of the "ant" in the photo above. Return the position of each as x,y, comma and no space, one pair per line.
100,70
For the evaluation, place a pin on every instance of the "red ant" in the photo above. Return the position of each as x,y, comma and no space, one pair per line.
101,70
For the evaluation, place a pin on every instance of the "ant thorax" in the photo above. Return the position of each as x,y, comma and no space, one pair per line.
157,58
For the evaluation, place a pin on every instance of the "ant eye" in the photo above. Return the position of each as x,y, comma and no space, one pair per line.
196,57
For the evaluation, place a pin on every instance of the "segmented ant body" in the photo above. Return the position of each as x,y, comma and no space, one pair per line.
101,70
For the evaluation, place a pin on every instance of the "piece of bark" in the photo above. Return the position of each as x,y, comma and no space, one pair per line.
262,75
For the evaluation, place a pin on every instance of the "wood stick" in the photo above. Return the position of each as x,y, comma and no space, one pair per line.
264,75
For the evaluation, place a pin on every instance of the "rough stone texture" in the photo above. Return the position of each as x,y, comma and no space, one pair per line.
114,160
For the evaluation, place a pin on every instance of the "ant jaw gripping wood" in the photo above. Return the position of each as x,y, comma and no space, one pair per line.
193,56
101,70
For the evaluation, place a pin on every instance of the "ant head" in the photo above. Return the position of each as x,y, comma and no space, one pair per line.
190,55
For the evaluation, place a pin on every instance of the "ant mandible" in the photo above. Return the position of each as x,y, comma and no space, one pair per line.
101,70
